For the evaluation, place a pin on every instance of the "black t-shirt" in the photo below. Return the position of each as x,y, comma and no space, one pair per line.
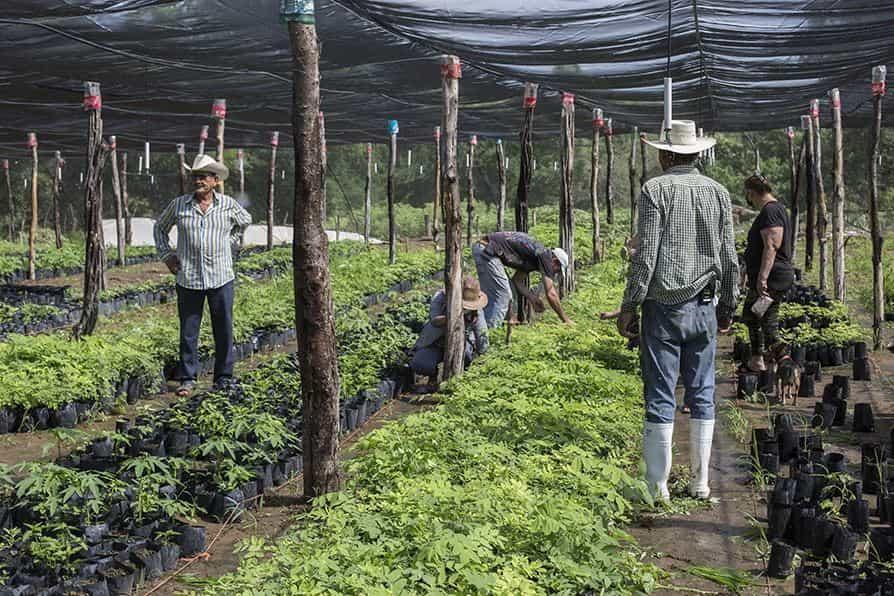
773,215
521,252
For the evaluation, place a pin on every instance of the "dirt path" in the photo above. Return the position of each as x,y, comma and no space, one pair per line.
118,277
714,536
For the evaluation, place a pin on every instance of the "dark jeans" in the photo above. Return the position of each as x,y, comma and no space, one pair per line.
425,360
190,305
763,332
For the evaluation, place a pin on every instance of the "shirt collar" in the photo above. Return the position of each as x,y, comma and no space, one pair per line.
215,199
682,169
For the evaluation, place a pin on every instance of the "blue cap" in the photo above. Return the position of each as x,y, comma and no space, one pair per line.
393,128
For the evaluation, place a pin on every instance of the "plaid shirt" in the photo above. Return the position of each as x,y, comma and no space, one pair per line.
685,241
204,240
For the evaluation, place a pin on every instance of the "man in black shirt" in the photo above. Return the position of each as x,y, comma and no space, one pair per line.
521,252
768,266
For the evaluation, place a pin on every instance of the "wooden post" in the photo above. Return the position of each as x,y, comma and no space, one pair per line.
634,191
609,169
501,175
799,176
324,161
822,217
879,75
454,348
314,317
32,234
644,175
470,180
203,136
437,207
97,153
526,166
393,129
367,195
119,205
11,230
810,183
792,188
219,113
837,198
240,160
125,203
337,227
181,170
57,197
566,187
598,123
271,186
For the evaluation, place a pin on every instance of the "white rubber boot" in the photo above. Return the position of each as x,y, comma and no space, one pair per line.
701,434
657,442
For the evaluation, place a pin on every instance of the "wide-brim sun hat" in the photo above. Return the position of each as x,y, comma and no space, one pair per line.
682,138
473,297
205,164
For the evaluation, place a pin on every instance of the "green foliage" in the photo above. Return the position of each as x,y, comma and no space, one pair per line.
516,484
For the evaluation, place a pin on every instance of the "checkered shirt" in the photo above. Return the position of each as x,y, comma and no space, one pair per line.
685,242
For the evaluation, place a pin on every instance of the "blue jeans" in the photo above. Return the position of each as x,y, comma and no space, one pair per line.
190,304
425,360
678,339
495,283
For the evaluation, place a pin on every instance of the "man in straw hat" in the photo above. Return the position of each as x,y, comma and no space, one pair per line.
428,352
684,277
209,228
496,251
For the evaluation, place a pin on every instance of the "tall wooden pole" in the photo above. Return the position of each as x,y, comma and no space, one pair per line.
271,186
240,161
97,153
879,75
203,136
644,160
367,195
437,206
219,113
324,161
822,217
57,197
181,167
119,204
837,198
799,177
393,129
634,191
598,123
470,180
454,347
501,175
792,188
609,170
11,229
314,318
810,183
526,165
32,234
125,203
566,186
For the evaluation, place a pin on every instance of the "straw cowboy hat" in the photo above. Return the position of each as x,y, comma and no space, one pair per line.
205,164
682,138
473,297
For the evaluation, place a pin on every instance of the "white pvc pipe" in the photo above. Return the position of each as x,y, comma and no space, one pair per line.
668,102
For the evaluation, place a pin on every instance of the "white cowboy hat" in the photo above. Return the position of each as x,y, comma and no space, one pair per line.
208,165
682,138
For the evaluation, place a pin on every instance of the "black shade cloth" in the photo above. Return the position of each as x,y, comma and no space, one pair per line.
737,65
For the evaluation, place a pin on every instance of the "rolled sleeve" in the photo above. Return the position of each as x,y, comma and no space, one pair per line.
162,228
642,264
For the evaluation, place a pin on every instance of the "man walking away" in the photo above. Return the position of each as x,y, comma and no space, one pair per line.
209,228
494,252
685,263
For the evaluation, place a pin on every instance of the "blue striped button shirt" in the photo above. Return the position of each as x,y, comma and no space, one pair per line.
204,240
